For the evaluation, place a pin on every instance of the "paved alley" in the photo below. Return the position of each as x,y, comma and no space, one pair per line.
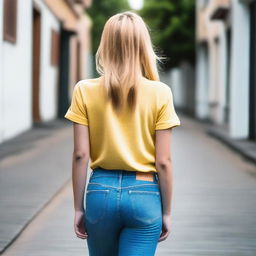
214,205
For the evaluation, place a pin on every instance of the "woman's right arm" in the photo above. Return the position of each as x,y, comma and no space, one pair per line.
164,168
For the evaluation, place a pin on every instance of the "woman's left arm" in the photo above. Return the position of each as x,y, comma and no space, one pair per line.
81,156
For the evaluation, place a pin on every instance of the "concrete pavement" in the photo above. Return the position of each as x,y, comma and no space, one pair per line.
33,167
213,210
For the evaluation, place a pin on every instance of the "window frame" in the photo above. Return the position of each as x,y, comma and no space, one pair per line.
7,36
55,38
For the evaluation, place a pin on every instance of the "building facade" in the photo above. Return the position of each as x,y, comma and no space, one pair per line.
44,51
225,90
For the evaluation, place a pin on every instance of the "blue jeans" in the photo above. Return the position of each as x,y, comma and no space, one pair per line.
123,216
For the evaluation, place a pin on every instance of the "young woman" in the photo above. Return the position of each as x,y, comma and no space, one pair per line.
122,123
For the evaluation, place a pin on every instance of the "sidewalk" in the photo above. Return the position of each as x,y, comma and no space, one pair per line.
213,209
33,167
246,148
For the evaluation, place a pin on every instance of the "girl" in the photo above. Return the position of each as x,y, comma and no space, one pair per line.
122,123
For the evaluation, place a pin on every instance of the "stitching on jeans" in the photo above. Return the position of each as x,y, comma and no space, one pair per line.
106,197
122,187
93,190
107,175
143,192
135,212
99,176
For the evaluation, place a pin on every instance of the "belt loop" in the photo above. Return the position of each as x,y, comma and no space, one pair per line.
120,174
91,174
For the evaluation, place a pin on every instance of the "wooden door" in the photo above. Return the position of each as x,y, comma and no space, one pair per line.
36,64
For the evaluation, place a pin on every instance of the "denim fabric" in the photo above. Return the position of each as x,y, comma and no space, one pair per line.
123,216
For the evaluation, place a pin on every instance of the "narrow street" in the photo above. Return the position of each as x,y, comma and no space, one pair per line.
214,205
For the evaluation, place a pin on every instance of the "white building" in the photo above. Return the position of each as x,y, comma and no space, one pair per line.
44,50
225,80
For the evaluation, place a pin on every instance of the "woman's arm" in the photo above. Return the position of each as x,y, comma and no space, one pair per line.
81,156
164,168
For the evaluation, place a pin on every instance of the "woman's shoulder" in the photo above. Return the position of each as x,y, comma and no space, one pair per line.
88,82
158,87
88,85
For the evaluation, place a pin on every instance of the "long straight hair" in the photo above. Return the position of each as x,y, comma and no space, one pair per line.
125,55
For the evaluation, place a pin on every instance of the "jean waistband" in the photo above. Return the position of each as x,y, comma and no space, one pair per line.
117,172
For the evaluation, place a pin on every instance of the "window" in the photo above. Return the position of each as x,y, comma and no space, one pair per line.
10,20
55,48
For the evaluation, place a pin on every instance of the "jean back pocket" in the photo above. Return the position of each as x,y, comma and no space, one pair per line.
146,205
95,204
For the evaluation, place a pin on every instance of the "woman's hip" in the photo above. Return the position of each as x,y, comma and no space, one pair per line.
119,193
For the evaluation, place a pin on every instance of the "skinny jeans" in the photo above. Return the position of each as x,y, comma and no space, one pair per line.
123,215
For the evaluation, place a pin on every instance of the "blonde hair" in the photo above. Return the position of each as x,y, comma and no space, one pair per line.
124,56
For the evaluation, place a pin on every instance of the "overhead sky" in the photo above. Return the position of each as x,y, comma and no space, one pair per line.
136,4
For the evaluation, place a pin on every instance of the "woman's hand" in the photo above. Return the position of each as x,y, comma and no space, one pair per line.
79,225
165,227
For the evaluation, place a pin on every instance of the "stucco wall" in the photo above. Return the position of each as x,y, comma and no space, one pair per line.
239,90
48,73
15,75
1,73
16,72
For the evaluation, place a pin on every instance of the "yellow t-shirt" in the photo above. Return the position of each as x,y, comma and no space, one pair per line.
124,142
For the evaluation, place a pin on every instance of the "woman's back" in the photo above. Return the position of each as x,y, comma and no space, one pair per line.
127,140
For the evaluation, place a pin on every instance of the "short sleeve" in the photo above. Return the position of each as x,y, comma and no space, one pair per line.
77,111
167,116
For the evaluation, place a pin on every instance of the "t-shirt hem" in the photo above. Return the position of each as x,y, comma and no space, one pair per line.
166,125
75,118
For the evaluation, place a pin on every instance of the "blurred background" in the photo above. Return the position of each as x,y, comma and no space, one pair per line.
209,50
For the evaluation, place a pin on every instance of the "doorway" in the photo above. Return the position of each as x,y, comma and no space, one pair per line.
36,64
227,93
64,71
